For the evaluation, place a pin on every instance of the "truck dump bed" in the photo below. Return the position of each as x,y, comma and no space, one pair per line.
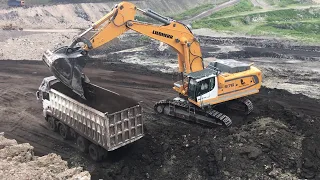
99,98
105,118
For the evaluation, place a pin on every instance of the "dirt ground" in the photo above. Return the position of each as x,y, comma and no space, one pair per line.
279,139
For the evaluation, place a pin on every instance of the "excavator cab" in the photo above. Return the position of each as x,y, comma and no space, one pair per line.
203,88
203,85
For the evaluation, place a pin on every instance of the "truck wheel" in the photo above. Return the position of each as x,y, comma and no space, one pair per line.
52,124
83,144
159,109
95,152
73,133
64,131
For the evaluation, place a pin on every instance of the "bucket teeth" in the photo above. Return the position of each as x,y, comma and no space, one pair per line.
46,57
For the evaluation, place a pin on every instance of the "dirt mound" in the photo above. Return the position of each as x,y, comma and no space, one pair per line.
17,161
31,46
279,140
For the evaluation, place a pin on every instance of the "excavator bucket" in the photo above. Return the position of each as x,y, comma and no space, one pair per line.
66,64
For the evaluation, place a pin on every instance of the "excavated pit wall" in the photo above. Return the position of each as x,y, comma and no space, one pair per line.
82,15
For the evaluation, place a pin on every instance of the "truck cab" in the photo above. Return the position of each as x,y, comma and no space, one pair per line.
43,93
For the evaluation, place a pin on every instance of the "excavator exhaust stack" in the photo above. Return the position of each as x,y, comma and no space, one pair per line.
66,64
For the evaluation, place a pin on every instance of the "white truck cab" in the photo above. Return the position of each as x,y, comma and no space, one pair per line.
43,94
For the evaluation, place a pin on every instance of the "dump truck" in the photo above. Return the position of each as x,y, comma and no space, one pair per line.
103,122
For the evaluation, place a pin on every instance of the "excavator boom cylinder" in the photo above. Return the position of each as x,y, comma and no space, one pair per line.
157,16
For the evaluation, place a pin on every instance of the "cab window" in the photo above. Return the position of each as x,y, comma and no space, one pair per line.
45,95
205,86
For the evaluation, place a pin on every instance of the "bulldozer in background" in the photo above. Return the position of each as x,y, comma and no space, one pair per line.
10,27
16,3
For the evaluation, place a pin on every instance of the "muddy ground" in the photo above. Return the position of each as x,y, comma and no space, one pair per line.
279,139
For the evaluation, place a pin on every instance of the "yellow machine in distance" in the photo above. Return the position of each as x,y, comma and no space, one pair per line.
201,89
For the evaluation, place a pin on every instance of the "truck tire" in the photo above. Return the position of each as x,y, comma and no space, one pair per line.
64,131
73,133
160,109
95,152
83,144
52,124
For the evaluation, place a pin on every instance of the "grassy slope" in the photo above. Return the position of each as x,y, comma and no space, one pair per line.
185,15
301,24
242,6
193,12
284,3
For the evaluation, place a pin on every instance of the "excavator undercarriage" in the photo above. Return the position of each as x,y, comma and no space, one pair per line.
210,116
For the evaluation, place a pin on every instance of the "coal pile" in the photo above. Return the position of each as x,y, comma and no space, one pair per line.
98,98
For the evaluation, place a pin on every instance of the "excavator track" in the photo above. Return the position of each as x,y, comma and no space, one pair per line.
220,116
248,104
187,111
243,105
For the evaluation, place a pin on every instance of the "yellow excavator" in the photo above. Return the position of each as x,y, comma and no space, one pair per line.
223,84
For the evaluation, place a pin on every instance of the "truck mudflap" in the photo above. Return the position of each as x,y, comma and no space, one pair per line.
110,131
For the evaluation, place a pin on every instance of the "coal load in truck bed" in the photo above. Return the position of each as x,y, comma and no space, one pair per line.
98,98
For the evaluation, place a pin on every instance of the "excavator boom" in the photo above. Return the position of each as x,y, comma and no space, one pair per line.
118,21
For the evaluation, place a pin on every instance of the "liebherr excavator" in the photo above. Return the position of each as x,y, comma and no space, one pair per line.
202,90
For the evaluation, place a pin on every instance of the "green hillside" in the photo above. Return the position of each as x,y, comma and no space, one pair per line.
291,19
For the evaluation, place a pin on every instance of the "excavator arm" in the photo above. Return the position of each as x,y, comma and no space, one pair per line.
67,62
175,34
